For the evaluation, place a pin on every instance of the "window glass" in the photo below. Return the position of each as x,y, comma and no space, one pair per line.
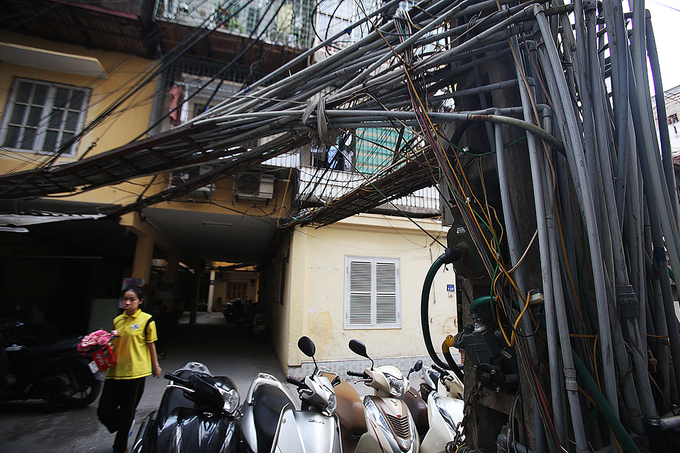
43,117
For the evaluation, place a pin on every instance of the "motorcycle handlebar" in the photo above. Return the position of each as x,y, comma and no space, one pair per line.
441,370
295,382
173,377
354,373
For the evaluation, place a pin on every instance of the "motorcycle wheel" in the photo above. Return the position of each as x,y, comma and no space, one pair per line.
87,390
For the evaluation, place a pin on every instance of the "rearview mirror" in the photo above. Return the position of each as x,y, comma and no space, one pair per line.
359,348
307,347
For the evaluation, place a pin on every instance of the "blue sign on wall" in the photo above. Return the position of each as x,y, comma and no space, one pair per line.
450,288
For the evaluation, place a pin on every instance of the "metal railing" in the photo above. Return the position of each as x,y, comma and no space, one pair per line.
287,22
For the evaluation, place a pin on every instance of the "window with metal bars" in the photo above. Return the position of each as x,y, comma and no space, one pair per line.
43,117
372,293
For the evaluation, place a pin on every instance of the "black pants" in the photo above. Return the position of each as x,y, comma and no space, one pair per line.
117,406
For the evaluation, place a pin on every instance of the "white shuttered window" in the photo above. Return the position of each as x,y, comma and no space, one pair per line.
372,296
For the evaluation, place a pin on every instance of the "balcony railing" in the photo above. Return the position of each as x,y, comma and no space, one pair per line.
322,186
282,22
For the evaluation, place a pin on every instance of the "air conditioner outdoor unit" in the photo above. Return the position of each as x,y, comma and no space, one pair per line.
180,177
254,185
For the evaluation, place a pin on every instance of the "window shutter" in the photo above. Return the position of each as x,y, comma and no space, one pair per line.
386,293
372,293
360,292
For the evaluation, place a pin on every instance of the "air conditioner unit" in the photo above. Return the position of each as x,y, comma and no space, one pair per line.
254,185
181,177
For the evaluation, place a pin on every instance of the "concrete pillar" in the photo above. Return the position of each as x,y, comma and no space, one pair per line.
141,267
197,293
211,290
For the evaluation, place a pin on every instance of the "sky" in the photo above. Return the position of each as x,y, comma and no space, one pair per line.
666,23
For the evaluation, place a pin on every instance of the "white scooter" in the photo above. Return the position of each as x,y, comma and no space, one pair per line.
444,394
390,426
271,424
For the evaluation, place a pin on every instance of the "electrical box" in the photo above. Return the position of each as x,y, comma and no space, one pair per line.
178,178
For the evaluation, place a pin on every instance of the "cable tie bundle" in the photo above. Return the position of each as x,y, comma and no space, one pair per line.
322,135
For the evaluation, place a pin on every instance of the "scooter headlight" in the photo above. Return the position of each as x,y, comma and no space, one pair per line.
397,385
231,399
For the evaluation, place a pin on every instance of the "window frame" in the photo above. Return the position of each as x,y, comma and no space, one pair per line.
43,123
374,324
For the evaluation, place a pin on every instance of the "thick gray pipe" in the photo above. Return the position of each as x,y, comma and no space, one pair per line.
520,273
635,332
570,383
576,160
666,153
556,384
660,258
618,45
650,151
583,76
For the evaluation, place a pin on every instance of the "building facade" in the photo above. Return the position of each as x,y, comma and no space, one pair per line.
73,94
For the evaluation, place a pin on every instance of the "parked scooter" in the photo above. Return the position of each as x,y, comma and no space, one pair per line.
197,414
55,372
270,423
391,428
236,312
444,394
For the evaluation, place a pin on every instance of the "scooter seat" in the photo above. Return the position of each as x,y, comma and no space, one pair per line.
34,353
267,406
350,409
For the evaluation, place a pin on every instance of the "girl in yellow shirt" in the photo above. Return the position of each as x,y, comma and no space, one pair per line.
135,351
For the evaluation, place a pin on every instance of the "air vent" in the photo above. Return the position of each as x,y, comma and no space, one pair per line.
254,185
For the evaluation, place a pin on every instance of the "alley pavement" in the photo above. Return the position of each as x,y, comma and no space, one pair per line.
35,426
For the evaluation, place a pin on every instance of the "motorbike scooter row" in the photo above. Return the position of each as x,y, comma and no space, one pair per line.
200,412
396,417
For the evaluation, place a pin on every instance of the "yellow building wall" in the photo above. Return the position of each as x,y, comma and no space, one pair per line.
123,72
316,282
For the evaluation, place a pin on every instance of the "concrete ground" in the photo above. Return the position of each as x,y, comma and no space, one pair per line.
35,426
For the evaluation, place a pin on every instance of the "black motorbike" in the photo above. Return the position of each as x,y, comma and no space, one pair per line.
197,414
237,312
53,371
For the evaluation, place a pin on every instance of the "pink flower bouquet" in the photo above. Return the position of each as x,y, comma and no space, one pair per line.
97,344
96,340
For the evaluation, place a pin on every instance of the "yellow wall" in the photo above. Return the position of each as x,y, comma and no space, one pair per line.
316,278
123,71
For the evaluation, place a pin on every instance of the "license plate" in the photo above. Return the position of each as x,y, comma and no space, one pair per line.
93,367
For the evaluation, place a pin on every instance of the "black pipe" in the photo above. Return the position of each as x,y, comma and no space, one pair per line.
449,256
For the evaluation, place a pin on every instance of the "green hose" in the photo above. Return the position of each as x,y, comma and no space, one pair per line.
603,406
474,306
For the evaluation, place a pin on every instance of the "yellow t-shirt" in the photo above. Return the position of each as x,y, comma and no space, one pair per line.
131,347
